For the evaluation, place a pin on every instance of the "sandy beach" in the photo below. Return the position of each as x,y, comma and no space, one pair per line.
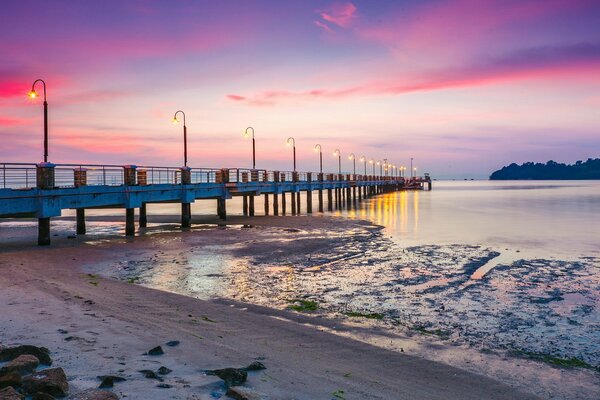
55,297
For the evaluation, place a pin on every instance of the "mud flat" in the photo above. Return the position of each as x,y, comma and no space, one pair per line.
331,307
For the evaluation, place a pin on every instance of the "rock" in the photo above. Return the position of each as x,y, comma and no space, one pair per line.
164,386
108,381
9,393
10,353
255,366
231,376
42,396
242,393
157,351
148,373
95,394
12,378
23,364
51,381
173,343
164,371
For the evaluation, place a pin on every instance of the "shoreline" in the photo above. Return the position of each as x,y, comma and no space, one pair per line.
301,334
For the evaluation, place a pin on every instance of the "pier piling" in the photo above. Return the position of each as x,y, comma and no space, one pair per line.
129,222
80,215
143,216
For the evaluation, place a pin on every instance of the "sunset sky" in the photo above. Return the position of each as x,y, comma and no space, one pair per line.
463,86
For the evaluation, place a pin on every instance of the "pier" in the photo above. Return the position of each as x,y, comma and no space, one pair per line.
43,190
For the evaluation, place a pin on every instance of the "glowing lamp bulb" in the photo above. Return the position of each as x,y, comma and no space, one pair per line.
32,94
175,121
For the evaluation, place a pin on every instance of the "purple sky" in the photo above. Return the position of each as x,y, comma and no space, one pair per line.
463,86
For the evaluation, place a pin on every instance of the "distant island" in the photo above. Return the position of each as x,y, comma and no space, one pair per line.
589,169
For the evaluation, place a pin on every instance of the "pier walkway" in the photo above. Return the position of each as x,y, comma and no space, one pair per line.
43,190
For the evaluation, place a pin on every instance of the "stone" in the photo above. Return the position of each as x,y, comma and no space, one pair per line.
42,396
23,364
164,386
10,353
242,393
231,376
173,343
255,366
9,393
12,378
148,373
108,381
95,394
157,351
164,371
52,381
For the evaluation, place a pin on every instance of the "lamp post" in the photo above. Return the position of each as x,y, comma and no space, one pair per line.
353,158
175,121
339,155
372,162
364,160
253,145
415,171
318,148
380,167
385,166
33,94
294,147
411,167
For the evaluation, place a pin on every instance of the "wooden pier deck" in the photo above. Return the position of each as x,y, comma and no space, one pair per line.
43,190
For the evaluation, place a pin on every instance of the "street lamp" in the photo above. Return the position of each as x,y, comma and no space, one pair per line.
353,158
33,94
372,162
364,160
175,121
294,147
385,166
411,167
415,171
380,167
253,145
339,155
318,148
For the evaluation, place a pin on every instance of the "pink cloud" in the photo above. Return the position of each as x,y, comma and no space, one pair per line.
339,14
323,26
12,121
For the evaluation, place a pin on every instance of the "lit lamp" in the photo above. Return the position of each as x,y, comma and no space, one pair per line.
176,121
353,158
339,156
372,162
380,167
364,160
246,135
33,94
294,147
318,148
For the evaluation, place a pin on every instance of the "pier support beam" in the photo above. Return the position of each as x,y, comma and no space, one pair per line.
186,215
320,196
143,216
245,205
293,196
329,200
43,231
251,205
129,221
349,196
283,203
298,203
221,209
266,204
80,212
275,204
309,201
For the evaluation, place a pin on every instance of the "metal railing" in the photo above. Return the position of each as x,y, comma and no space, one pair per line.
23,175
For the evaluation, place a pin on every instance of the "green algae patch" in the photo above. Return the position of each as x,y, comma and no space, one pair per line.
356,314
301,305
566,362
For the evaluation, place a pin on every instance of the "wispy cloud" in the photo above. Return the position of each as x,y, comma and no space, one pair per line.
341,15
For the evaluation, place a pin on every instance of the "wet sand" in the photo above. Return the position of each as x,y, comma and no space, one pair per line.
111,323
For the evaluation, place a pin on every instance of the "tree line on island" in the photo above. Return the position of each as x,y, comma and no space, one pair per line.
589,169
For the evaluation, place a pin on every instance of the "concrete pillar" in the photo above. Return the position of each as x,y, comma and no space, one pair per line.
329,199
251,205
298,203
275,204
283,203
266,204
143,216
186,215
222,209
309,201
45,181
80,212
43,231
293,196
320,196
245,205
129,221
